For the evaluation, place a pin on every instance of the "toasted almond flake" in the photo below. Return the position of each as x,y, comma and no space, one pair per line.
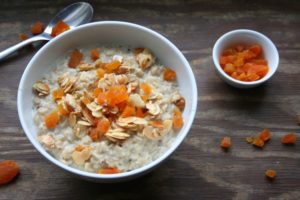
132,86
118,58
47,140
117,134
41,88
86,67
71,101
87,115
80,157
67,83
131,122
121,79
153,109
84,123
93,106
136,100
145,59
72,119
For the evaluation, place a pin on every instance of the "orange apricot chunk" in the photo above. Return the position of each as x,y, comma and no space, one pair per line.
146,88
59,28
51,120
100,73
271,174
226,143
128,111
177,119
169,74
101,98
109,170
75,58
112,66
94,134
140,112
103,125
116,94
58,94
23,36
265,135
256,48
258,142
289,138
96,92
62,110
9,169
95,55
37,28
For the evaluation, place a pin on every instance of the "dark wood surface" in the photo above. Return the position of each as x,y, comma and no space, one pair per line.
199,169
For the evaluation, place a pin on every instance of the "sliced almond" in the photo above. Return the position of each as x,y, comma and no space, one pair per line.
72,119
153,109
145,59
131,122
117,134
136,100
81,155
41,88
67,83
86,67
87,115
84,123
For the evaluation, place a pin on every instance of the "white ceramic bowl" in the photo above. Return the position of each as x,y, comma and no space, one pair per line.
247,37
107,32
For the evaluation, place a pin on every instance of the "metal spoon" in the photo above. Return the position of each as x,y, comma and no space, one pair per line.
74,15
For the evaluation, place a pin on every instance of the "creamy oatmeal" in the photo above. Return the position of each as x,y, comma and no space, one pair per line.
108,110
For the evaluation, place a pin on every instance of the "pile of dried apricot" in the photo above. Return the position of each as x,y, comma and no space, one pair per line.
244,63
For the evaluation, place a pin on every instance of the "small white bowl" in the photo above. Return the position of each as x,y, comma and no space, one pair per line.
246,37
107,32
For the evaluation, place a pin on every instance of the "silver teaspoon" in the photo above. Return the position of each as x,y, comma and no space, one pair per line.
74,15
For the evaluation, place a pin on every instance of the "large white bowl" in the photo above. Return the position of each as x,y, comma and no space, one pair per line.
246,37
107,32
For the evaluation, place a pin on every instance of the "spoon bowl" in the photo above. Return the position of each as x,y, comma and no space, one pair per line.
74,15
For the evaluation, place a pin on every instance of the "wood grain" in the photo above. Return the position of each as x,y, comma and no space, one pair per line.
199,169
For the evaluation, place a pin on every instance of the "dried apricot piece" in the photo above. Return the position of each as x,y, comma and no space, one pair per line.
75,58
101,98
226,143
128,111
146,88
37,28
116,94
103,125
23,36
58,94
270,173
256,48
96,92
140,112
9,169
112,66
169,74
95,55
265,135
59,28
109,170
289,138
51,120
177,119
100,73
94,134
258,142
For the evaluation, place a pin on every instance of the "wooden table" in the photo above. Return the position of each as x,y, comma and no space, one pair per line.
199,169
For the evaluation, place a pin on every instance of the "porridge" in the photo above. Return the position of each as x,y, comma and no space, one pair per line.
108,110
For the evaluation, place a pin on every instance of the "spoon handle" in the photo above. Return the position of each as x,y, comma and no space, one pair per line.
14,48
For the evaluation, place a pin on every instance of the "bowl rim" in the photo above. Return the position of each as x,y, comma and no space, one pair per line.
223,38
139,171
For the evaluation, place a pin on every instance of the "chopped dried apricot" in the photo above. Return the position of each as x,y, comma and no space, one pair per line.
265,135
271,174
145,98
51,120
75,58
59,28
58,94
9,169
289,138
244,63
100,73
109,170
37,28
258,142
140,112
177,119
226,143
101,98
23,36
96,92
62,110
128,111
146,88
112,66
103,125
116,94
169,74
94,134
95,55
